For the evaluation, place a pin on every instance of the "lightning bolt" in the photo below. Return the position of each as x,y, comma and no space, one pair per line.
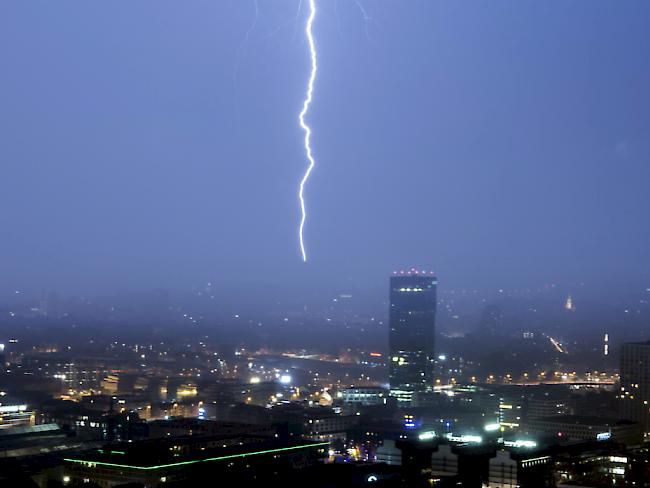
293,20
366,17
304,125
243,46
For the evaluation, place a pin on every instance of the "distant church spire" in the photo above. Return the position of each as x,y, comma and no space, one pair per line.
569,303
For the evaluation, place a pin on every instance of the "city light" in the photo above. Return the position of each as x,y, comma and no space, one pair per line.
469,439
12,408
409,421
520,443
425,436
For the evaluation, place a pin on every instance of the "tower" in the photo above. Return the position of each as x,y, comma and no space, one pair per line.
635,383
568,305
412,320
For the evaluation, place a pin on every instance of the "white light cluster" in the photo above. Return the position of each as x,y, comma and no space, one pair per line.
473,439
425,436
520,443
13,408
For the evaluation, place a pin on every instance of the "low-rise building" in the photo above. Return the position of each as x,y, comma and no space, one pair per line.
570,428
190,461
509,469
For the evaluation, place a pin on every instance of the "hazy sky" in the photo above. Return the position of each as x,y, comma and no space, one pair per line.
148,143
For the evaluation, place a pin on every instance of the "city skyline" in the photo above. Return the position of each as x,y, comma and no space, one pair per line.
325,244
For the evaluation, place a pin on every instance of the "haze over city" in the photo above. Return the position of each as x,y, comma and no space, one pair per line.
332,243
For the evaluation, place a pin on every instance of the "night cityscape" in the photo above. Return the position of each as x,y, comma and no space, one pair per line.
325,243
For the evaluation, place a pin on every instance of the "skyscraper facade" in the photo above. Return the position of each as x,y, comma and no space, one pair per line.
412,321
635,383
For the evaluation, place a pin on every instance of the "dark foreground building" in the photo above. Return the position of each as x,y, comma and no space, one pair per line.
193,460
412,333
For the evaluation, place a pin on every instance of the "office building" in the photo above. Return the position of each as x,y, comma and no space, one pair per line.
412,333
635,383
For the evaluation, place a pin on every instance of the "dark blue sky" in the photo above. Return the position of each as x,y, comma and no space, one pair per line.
499,143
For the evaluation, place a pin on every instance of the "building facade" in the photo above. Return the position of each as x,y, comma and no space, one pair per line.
362,396
572,428
412,333
635,383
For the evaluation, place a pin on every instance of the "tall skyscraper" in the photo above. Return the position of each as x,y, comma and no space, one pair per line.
412,333
635,383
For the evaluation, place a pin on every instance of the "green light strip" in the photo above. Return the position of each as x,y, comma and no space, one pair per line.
231,456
